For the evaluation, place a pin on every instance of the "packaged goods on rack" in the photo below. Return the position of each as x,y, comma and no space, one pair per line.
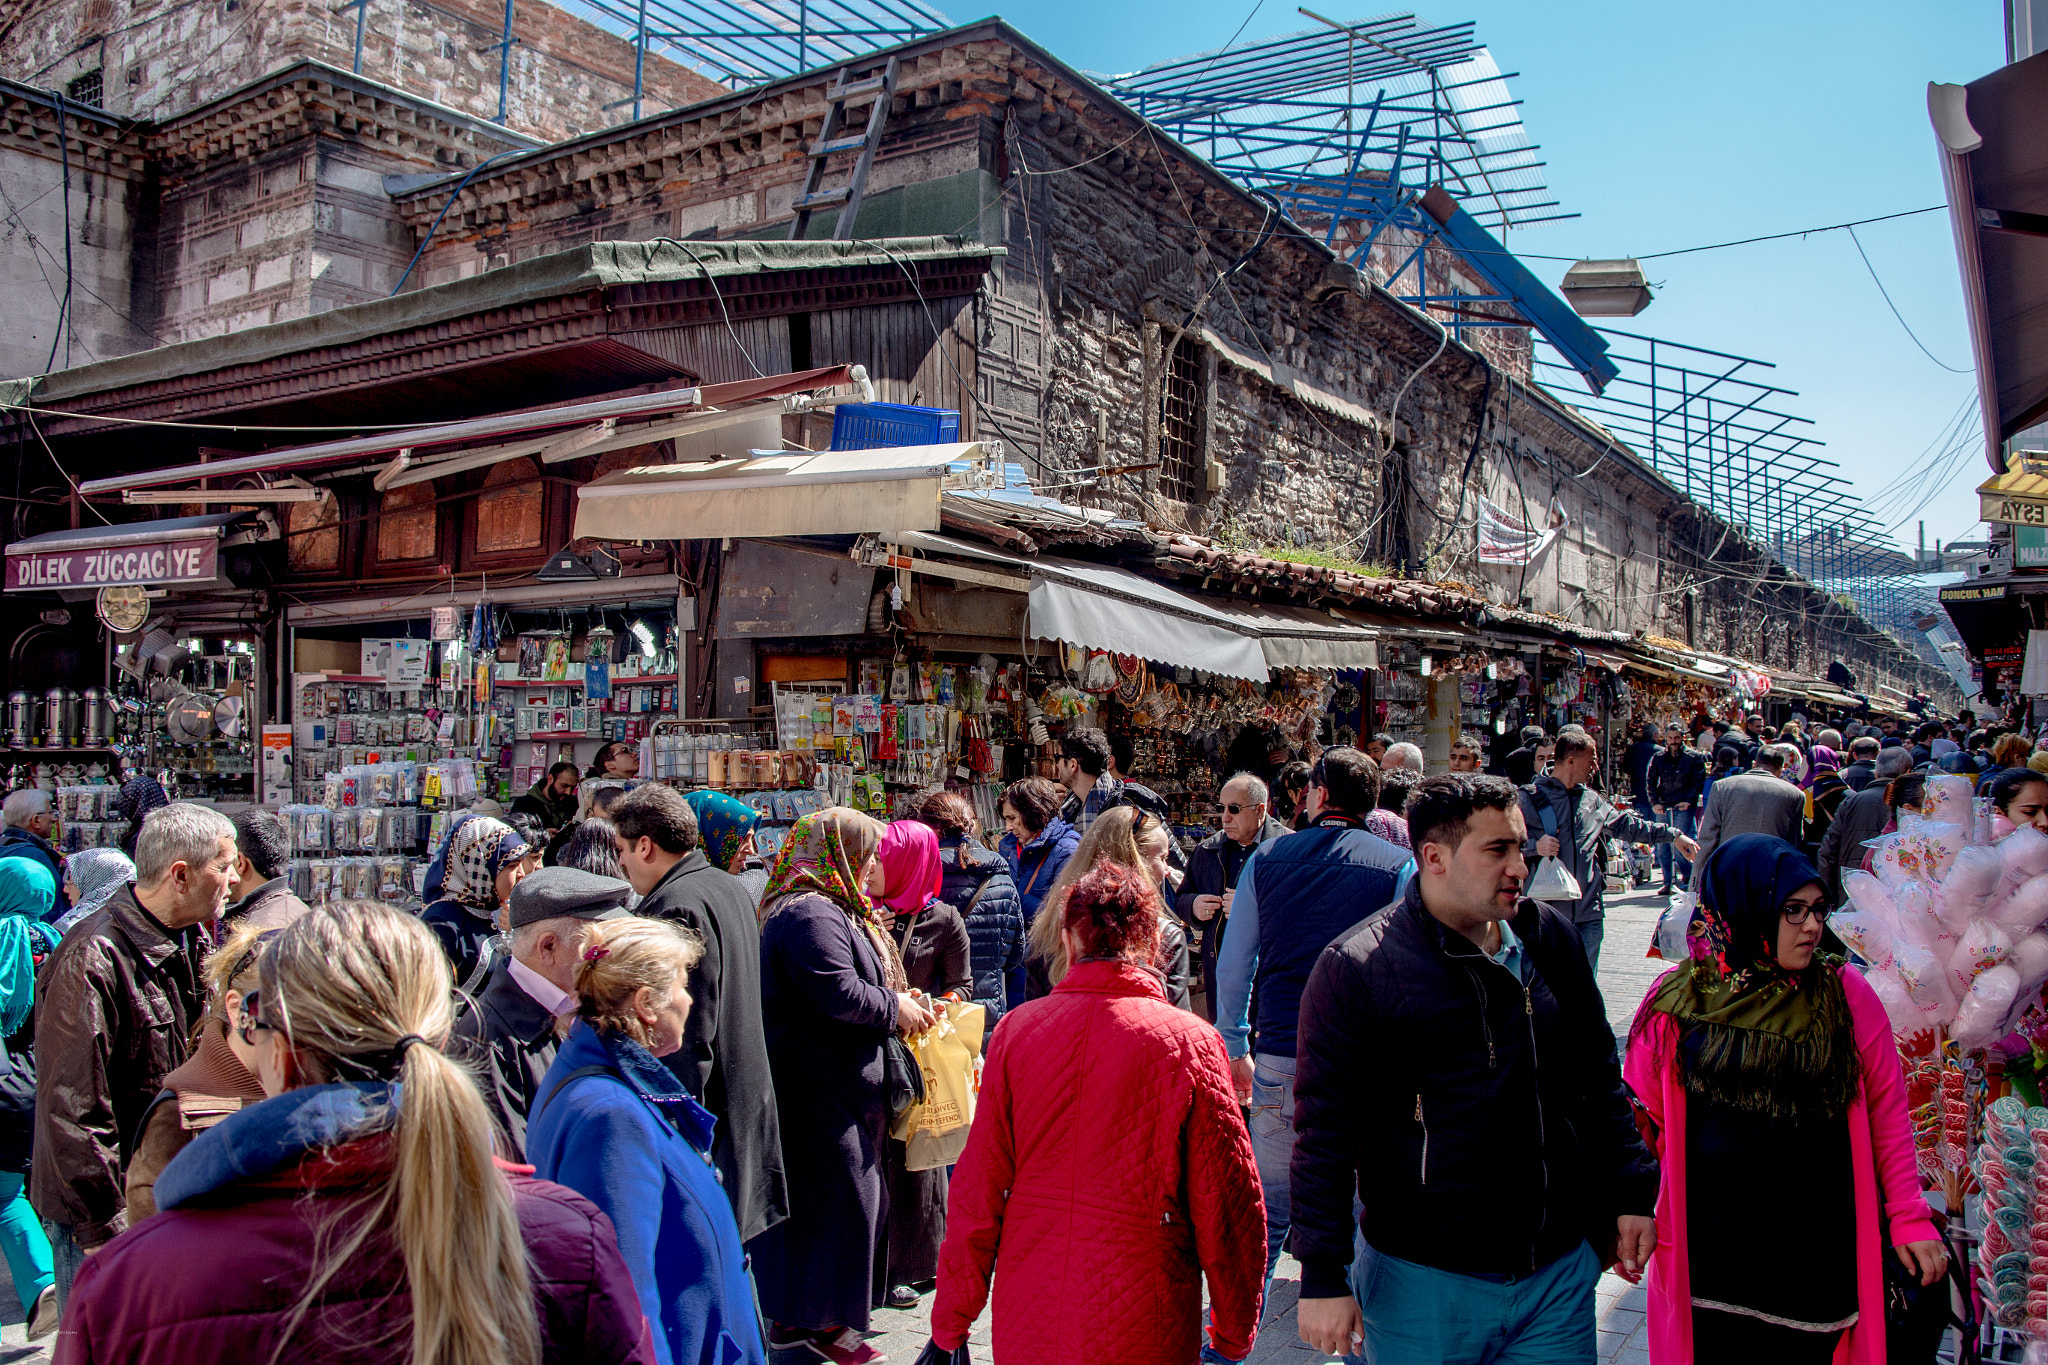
85,815
374,827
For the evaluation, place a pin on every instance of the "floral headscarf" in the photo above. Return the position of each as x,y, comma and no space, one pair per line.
724,822
99,872
477,851
1753,1035
824,856
911,871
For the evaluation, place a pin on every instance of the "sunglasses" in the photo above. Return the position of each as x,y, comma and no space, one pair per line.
1799,914
252,1019
1235,809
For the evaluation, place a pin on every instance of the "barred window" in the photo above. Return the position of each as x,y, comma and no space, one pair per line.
1182,473
86,89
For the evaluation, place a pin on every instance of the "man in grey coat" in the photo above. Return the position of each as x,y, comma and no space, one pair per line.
1860,818
1759,801
1571,822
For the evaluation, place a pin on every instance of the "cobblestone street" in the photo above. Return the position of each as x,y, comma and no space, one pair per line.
1625,974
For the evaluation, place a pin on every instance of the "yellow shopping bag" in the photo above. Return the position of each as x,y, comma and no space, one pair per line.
934,1131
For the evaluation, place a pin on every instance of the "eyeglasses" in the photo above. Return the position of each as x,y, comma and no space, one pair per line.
1795,913
252,1019
1236,809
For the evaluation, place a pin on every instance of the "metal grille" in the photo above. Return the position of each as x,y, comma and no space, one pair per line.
1181,473
85,89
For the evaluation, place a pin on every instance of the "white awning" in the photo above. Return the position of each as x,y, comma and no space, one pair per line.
1098,606
1297,637
795,493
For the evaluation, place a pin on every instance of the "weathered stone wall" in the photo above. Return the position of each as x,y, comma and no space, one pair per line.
156,59
105,211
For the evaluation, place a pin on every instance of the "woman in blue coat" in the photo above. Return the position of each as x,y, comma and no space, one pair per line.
1037,844
613,1124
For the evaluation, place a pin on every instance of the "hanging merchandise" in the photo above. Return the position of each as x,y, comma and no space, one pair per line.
483,648
1504,540
597,664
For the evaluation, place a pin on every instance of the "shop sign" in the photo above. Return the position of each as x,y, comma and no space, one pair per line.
2005,656
1987,592
170,562
2014,509
2030,547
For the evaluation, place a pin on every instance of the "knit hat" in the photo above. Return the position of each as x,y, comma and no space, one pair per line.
568,892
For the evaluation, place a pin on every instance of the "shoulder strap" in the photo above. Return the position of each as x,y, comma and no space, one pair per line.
975,899
578,1074
1034,874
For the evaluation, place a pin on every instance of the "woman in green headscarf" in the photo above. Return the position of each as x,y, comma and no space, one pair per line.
27,893
726,824
1774,1081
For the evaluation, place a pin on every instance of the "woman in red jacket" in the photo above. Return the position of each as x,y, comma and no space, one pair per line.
1108,1169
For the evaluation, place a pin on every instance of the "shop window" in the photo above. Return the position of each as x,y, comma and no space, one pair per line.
406,525
511,509
1182,476
313,536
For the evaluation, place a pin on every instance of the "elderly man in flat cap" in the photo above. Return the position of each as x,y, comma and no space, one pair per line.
513,1029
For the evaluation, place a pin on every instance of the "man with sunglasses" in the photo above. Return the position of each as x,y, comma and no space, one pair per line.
1295,895
1203,902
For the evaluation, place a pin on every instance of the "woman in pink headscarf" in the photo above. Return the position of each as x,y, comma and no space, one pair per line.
933,941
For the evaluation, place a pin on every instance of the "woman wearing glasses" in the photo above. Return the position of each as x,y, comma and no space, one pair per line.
356,1213
1757,1052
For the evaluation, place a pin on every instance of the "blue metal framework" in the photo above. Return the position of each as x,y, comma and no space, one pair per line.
1714,425
746,42
1356,129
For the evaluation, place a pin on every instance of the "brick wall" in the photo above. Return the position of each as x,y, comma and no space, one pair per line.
158,58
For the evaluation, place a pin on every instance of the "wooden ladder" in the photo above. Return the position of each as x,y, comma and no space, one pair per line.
846,198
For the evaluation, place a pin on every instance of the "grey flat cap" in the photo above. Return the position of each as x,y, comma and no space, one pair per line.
556,892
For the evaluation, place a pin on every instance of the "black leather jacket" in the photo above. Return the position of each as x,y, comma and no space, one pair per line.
1481,1119
1677,780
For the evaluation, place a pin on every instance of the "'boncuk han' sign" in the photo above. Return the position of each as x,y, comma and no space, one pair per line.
176,561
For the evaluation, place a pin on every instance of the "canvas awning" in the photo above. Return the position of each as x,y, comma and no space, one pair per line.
175,551
1099,606
793,493
1296,637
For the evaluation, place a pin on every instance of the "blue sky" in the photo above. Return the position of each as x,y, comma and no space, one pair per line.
1670,126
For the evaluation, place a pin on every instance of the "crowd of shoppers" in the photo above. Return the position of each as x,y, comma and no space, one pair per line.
218,1105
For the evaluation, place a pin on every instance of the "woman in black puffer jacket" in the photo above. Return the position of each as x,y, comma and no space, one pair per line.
978,885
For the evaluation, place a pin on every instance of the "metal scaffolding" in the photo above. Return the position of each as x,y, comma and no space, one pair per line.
1713,424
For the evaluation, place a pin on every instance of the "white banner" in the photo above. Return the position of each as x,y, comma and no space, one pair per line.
1504,540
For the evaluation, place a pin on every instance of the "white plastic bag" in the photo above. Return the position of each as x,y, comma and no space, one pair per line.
1553,883
1668,942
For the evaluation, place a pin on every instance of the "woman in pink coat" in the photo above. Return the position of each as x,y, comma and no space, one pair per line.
1755,1059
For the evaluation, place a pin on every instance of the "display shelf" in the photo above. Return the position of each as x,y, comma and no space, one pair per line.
65,749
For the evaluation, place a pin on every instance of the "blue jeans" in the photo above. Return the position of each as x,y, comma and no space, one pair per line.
1272,1130
1418,1315
1686,822
66,1257
23,1243
1590,934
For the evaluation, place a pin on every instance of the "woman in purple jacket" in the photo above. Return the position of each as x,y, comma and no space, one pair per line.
357,1214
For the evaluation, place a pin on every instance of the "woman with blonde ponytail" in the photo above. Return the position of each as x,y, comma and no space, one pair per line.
357,1214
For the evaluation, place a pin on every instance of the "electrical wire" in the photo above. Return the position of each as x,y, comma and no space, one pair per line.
435,226
63,308
1851,228
729,329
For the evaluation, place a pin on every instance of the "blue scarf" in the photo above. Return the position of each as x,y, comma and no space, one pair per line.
27,891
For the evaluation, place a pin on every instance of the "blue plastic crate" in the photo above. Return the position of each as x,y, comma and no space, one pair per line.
866,426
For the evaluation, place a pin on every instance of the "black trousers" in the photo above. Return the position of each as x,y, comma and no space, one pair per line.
1735,1339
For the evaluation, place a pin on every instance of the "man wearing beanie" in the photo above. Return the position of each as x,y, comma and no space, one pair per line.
512,1030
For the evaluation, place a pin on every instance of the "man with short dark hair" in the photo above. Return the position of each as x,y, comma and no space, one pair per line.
1376,747
1122,753
1571,822
1860,818
1458,1083
1676,777
115,1006
1295,895
1083,769
263,849
514,1026
552,800
724,1056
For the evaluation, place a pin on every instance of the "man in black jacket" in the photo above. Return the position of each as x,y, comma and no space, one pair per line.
511,1027
1862,764
1203,901
1677,776
1456,1074
724,1056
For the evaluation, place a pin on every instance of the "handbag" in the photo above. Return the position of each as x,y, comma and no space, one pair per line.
902,1077
1917,1316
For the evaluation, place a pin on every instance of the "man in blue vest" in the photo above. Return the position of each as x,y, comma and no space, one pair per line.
1296,894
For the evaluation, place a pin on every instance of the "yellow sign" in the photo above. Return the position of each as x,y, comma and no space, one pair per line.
2012,508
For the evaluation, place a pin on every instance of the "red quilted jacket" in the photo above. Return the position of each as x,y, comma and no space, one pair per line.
1108,1170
